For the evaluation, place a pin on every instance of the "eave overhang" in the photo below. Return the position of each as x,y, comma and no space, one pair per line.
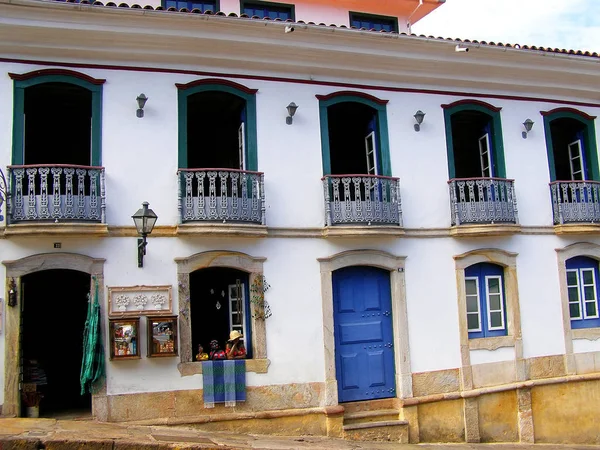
53,32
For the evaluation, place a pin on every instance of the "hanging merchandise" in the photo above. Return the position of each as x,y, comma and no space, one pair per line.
218,305
92,364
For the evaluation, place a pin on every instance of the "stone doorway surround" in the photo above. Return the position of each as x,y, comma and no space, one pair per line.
226,259
382,260
15,270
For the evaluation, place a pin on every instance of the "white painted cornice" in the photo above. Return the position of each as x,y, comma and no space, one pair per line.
55,31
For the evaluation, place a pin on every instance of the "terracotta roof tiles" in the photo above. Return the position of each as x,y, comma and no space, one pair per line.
301,22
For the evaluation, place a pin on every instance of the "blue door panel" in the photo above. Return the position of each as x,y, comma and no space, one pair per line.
363,334
347,298
376,368
351,366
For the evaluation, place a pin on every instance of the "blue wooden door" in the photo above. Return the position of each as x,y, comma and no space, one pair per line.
364,351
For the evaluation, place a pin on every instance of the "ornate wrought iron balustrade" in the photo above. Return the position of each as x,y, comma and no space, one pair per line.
482,200
362,200
221,195
56,192
575,201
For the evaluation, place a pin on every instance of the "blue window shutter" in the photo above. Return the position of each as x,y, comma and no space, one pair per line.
578,263
481,271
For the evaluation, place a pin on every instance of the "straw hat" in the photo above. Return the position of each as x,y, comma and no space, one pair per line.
235,334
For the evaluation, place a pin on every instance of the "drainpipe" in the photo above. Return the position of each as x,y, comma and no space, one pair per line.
408,24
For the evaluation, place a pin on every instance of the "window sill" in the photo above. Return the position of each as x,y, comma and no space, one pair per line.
491,343
484,229
591,334
577,228
195,368
57,229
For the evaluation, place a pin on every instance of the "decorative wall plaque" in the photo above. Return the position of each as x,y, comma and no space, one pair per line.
139,300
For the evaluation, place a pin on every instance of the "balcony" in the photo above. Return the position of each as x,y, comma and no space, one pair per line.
362,201
49,198
221,201
576,206
483,206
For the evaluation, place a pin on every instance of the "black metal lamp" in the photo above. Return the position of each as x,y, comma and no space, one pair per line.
291,109
419,116
12,293
141,101
528,124
144,220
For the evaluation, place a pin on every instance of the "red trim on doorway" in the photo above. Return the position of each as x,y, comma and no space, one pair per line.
298,81
571,110
353,94
205,81
472,102
64,72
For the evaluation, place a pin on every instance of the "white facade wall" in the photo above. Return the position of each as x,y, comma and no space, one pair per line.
140,156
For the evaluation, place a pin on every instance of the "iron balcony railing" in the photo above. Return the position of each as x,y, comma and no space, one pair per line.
56,192
362,200
221,195
575,201
482,200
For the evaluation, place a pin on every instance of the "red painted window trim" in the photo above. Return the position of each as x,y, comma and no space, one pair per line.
352,94
205,81
63,72
472,102
571,110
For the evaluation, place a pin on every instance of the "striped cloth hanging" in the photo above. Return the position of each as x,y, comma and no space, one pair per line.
224,382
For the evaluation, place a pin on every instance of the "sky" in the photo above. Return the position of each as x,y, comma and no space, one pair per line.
570,24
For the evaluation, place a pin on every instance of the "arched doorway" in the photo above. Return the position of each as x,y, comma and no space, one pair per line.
54,305
219,304
364,338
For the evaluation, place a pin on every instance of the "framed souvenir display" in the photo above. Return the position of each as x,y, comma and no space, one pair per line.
124,338
162,336
124,301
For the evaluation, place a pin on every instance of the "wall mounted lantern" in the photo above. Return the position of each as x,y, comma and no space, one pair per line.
144,220
291,109
528,124
141,101
419,116
12,292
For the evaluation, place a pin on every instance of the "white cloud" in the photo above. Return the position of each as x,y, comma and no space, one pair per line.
572,24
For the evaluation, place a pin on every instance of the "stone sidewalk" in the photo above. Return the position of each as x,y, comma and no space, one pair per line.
51,434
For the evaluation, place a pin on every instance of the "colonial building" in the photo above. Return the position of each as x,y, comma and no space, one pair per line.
403,228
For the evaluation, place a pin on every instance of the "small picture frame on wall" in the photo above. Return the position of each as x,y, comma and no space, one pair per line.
124,338
124,301
162,336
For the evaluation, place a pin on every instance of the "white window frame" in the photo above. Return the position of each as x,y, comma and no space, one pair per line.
579,155
479,329
232,299
371,138
578,286
242,145
487,299
485,154
585,301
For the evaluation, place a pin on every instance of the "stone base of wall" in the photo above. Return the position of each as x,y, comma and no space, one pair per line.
541,412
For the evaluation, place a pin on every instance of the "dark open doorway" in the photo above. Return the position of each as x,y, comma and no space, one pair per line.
58,124
217,309
472,142
216,133
54,311
353,141
568,147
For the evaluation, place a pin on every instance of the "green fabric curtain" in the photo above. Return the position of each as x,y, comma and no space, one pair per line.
92,364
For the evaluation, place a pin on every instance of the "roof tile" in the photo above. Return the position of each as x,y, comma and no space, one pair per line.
301,22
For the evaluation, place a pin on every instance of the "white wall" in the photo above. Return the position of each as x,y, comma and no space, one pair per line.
140,156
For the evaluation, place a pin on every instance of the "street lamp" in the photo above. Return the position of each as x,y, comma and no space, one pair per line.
144,220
